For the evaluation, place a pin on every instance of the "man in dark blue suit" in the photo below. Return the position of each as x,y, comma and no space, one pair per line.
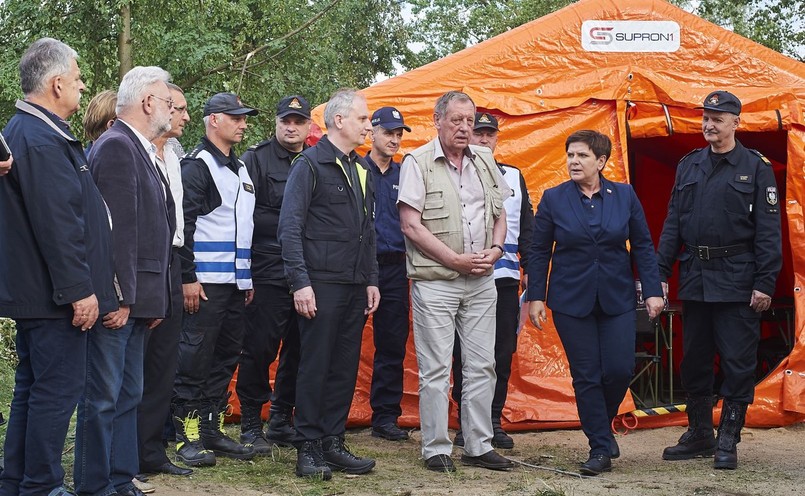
143,220
581,229
56,275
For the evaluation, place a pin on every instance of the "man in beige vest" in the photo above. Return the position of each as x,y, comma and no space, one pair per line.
451,212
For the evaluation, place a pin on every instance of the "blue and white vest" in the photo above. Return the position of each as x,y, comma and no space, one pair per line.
509,263
223,238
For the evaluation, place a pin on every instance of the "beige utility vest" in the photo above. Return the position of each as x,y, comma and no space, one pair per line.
441,214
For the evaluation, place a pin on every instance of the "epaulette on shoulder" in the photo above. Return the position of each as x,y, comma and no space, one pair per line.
194,154
695,150
259,145
761,156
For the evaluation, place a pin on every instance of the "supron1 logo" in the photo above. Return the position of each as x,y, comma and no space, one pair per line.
600,35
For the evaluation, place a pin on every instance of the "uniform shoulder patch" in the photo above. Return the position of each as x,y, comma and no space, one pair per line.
760,155
194,154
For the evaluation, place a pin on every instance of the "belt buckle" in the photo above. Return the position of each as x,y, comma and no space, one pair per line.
703,252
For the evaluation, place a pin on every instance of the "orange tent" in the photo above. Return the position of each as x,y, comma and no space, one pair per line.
634,70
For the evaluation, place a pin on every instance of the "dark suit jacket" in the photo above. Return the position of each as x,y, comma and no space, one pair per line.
585,267
143,219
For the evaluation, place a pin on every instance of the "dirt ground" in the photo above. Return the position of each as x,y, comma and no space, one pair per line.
771,463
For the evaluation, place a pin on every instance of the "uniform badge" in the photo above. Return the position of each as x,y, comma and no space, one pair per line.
83,168
295,104
743,178
395,114
771,195
248,188
713,100
484,119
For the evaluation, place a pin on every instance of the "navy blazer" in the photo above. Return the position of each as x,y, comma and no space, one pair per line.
585,267
143,219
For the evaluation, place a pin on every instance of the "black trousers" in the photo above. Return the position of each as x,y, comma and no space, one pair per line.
391,328
159,371
330,349
270,321
600,349
732,330
209,348
508,319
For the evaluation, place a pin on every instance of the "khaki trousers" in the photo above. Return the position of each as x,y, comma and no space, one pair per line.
441,309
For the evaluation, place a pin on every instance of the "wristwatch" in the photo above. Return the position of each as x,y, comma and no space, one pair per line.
502,251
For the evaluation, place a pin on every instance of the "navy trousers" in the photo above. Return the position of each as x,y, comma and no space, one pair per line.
48,384
390,326
732,330
600,349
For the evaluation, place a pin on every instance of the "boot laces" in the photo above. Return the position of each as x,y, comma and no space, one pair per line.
190,424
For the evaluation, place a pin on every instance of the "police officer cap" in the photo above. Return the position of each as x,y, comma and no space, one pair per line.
722,101
226,103
389,118
484,120
293,105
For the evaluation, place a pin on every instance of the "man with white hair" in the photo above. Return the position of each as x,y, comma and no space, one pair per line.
56,274
326,230
122,162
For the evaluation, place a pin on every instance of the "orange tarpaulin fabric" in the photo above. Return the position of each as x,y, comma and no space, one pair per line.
546,79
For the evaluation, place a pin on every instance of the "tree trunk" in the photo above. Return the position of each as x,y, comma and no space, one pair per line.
124,41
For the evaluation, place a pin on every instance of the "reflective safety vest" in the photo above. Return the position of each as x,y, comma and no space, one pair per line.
223,237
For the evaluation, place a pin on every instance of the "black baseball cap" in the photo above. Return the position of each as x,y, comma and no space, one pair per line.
389,118
227,103
484,120
722,101
294,104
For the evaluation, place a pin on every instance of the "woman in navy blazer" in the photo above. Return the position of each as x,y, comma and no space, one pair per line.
581,230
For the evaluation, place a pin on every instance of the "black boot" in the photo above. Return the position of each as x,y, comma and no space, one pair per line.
698,440
280,431
338,457
733,415
251,430
189,449
310,461
213,436
500,439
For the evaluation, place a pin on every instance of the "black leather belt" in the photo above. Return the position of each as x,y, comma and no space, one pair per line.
708,252
394,258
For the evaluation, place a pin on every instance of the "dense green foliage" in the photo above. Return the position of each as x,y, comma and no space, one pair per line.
265,49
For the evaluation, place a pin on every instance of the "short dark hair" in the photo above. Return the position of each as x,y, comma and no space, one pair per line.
599,143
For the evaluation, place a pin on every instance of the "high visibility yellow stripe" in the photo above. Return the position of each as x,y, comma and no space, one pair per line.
660,410
361,178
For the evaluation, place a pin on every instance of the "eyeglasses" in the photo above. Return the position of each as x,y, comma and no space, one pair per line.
180,109
169,101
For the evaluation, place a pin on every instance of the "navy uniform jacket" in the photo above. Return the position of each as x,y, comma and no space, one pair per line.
55,240
387,217
143,219
326,235
269,164
587,267
737,203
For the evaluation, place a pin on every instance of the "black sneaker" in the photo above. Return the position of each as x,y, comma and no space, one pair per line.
310,461
338,457
389,431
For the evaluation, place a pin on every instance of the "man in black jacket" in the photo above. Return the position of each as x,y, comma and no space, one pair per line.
327,234
271,318
56,274
723,225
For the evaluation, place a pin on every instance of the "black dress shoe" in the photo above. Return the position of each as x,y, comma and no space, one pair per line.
440,463
596,464
167,468
490,460
389,431
130,491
